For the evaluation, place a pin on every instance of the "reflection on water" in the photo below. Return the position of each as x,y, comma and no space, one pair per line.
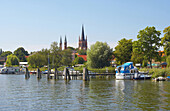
17,93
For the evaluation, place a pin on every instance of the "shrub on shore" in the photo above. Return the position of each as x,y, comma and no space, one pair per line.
157,72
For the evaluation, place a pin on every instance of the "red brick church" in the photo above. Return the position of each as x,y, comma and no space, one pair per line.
82,41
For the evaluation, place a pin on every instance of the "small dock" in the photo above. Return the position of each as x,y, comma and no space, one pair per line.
72,75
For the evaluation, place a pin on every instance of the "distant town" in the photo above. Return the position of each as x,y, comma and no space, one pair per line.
144,53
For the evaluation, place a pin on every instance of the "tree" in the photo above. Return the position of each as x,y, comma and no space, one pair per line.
79,60
6,53
99,55
72,48
168,61
166,40
12,60
66,57
21,53
36,60
55,55
137,55
123,51
82,52
149,38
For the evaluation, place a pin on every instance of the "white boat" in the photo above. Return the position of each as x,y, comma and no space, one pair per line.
10,70
128,71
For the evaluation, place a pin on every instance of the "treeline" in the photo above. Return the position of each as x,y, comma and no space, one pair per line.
99,55
54,57
13,58
145,49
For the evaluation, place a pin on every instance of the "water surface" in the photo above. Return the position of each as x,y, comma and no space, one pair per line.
17,93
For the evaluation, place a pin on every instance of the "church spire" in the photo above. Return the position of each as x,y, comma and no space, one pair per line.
82,35
60,39
60,43
65,43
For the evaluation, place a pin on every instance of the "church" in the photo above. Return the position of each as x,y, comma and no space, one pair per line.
82,41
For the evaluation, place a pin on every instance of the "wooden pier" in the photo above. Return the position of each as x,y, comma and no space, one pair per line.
70,75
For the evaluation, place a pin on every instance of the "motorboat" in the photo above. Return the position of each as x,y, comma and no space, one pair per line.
10,70
128,71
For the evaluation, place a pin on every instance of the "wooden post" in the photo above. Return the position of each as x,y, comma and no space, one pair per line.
66,74
76,74
85,74
38,74
48,75
27,74
55,74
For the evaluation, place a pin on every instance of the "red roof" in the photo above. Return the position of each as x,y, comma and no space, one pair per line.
83,56
26,56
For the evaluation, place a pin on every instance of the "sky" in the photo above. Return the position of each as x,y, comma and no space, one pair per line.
35,24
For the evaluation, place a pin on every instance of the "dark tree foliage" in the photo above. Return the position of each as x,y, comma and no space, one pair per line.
21,53
79,60
123,51
99,55
149,38
166,40
6,53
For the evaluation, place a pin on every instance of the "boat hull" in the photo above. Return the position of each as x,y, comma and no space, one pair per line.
122,76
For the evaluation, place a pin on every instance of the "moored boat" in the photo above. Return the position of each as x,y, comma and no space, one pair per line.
128,71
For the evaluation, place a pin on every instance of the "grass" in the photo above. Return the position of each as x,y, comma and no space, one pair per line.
97,70
156,72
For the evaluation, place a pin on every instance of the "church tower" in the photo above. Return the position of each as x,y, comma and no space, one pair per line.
65,43
82,41
60,43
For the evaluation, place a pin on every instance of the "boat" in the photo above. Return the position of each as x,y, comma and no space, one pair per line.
160,79
10,70
128,71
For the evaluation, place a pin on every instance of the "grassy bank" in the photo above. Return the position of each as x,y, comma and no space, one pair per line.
157,72
100,70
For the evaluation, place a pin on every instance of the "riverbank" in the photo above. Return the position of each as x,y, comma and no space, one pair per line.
157,72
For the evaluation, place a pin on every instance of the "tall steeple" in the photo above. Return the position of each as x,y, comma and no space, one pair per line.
82,34
82,40
65,43
60,43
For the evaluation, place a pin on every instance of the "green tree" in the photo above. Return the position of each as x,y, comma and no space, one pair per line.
166,40
21,53
66,57
72,48
99,55
168,61
79,60
137,55
149,38
36,60
82,52
56,56
6,53
123,51
12,60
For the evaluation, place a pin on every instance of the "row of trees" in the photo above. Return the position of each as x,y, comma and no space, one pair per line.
20,52
53,57
145,49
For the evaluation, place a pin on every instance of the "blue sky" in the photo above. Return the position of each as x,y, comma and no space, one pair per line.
35,24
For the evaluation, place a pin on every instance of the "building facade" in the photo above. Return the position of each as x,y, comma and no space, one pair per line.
82,41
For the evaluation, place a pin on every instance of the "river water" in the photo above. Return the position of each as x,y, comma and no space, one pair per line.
19,94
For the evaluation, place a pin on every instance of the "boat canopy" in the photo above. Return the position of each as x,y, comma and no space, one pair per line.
125,68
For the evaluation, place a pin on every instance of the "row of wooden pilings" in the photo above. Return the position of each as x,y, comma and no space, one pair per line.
66,73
